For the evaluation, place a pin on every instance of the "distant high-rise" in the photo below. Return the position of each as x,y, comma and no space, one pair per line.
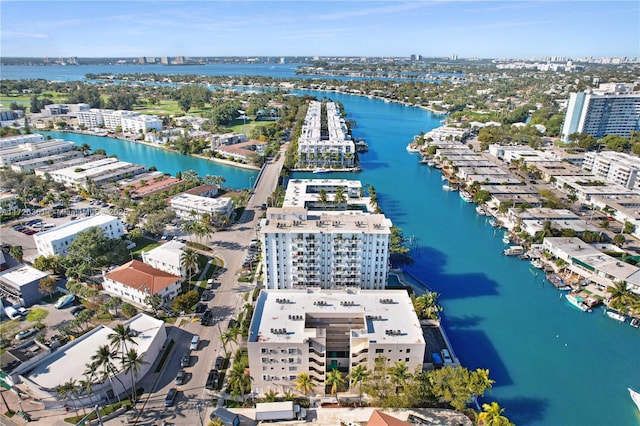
613,109
454,57
142,60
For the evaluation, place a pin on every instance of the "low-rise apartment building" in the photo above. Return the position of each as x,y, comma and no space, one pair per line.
315,331
29,150
167,257
56,241
614,167
193,207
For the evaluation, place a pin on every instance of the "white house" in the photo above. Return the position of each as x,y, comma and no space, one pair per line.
167,258
135,281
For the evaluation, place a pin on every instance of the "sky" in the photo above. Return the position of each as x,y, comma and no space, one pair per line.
500,29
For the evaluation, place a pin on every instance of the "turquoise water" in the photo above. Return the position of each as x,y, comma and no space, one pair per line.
168,162
553,364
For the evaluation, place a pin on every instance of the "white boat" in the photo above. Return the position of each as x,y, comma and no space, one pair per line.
635,322
466,197
635,396
321,171
536,263
443,177
513,251
506,239
447,188
616,316
480,211
412,149
65,301
577,302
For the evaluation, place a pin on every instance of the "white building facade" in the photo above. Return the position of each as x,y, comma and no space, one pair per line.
332,147
191,207
614,167
327,250
128,121
315,331
56,241
167,257
613,109
30,150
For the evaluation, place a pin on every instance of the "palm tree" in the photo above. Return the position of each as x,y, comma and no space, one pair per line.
66,390
399,374
305,383
358,374
339,197
426,305
322,198
270,396
131,364
189,261
238,381
102,359
492,415
228,336
122,334
620,295
335,380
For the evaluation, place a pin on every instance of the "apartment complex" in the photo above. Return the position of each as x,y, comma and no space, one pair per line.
324,249
192,207
167,257
613,109
128,121
315,331
56,241
614,167
327,194
96,172
324,140
30,148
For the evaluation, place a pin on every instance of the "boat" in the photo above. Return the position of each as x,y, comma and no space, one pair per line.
506,239
577,302
447,188
635,322
321,171
635,396
537,263
466,197
480,210
616,316
443,177
412,149
513,251
65,301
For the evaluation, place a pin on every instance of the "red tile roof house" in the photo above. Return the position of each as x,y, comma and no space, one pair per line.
135,281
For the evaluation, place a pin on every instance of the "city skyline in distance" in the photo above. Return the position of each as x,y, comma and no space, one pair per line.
519,29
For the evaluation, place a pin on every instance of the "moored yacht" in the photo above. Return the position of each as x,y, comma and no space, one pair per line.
577,302
635,396
616,316
466,197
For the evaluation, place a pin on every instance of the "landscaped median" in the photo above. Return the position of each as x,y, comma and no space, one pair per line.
106,412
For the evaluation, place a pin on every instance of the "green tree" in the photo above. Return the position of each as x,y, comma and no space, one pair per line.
491,415
102,359
47,285
184,302
17,253
128,310
37,315
339,197
304,383
451,385
620,295
189,261
334,380
92,250
132,362
619,240
155,301
358,374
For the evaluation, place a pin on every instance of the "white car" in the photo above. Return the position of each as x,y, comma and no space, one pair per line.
24,334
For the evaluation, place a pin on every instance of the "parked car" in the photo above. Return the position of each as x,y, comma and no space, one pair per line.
218,363
171,397
200,308
212,380
195,342
185,361
206,317
75,311
231,324
25,334
180,378
446,356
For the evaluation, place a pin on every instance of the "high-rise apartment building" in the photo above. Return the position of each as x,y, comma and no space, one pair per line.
324,249
613,109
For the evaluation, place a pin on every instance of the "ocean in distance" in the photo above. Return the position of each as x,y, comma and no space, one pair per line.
553,364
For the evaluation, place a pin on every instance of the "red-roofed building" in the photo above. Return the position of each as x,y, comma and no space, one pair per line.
378,418
135,281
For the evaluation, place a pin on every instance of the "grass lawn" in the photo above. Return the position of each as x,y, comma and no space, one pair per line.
144,244
239,127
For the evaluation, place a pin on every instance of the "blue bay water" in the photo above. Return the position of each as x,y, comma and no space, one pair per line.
553,364
165,161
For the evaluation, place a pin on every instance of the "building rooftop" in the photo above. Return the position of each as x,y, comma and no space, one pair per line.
281,316
142,277
201,202
69,361
21,275
168,253
298,219
73,227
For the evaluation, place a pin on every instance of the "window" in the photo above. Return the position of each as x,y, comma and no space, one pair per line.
379,351
293,368
408,350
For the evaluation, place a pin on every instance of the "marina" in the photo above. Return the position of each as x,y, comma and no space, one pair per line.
482,283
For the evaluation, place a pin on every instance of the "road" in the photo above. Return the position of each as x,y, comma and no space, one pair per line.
193,403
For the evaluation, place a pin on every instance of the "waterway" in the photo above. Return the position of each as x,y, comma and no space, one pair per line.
165,161
553,365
